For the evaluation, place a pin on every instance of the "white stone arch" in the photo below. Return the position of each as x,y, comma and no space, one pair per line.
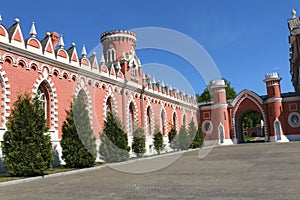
135,110
56,70
48,83
221,133
21,59
5,100
149,106
87,97
39,68
69,77
163,123
109,94
12,57
247,94
176,119
277,130
184,118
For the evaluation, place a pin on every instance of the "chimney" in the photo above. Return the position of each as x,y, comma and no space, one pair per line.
55,39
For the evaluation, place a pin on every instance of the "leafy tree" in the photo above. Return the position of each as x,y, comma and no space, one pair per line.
183,139
78,142
26,145
114,142
198,139
139,142
158,141
206,94
192,130
173,140
251,120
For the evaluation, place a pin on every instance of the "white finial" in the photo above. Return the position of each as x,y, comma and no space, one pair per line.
94,53
102,59
83,52
61,43
162,84
33,30
294,13
0,19
17,20
153,80
73,44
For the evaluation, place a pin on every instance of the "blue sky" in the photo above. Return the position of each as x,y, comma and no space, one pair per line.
245,38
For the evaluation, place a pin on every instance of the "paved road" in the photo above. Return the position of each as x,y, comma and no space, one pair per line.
247,171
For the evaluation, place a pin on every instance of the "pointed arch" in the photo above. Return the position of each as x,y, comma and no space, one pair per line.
277,129
163,121
175,120
44,84
149,120
254,99
109,100
86,96
221,133
132,115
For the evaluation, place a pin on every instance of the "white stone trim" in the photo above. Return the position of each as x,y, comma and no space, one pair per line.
53,98
87,96
5,100
211,128
291,123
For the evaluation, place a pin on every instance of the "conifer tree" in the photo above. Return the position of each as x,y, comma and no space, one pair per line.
198,139
26,145
158,141
173,139
192,130
114,142
78,142
139,142
183,139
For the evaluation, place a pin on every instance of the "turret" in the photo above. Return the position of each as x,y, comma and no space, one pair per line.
220,120
274,107
117,44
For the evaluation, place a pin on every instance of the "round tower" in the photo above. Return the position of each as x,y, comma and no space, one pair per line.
274,107
117,44
221,131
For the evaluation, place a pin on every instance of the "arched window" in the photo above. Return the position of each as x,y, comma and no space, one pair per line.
130,119
109,105
174,120
148,121
162,120
184,120
278,130
43,96
221,134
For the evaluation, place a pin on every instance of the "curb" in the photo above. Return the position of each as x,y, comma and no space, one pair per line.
31,179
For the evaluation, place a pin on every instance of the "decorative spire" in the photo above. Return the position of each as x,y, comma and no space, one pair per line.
294,13
17,20
61,43
83,52
102,59
33,30
0,19
153,80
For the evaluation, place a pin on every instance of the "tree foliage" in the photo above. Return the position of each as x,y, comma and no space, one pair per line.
158,141
198,139
184,140
78,142
192,129
206,94
173,140
114,142
26,145
251,119
139,142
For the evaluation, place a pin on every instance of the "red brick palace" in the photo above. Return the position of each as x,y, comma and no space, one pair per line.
117,82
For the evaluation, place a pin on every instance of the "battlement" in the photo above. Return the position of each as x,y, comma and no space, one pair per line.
72,62
118,35
272,76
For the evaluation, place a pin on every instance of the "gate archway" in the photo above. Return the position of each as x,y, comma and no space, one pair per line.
246,102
